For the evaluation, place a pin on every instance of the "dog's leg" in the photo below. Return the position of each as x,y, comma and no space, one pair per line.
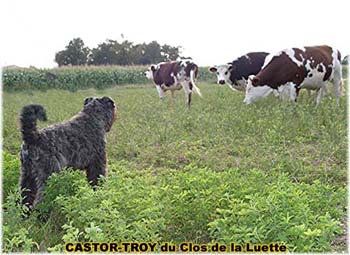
28,187
96,168
44,169
39,197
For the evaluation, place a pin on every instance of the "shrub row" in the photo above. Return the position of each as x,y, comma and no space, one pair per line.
83,77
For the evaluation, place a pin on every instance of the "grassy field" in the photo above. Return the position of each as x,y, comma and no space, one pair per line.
222,172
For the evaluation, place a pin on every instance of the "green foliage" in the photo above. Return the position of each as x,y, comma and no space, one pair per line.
125,208
281,211
345,70
71,78
223,171
200,205
346,60
75,78
16,231
65,184
111,52
75,53
195,205
11,168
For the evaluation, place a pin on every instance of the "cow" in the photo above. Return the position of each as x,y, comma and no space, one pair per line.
236,73
175,75
298,68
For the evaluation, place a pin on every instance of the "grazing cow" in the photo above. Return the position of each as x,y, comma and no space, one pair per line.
174,75
293,69
236,73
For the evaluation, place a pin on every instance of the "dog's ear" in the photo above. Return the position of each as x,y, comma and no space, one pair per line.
108,101
88,100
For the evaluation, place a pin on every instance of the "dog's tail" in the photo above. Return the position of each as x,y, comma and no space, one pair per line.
28,118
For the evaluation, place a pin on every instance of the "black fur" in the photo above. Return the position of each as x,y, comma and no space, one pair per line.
243,66
78,143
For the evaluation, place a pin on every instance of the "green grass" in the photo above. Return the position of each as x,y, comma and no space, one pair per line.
268,172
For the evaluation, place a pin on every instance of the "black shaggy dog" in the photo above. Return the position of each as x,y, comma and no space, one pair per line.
78,143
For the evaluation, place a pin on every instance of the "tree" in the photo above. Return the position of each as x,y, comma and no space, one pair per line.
111,52
138,55
104,54
75,53
170,53
153,52
124,53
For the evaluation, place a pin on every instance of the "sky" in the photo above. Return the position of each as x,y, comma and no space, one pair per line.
211,32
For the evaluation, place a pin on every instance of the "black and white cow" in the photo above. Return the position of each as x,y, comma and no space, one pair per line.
293,69
236,73
174,75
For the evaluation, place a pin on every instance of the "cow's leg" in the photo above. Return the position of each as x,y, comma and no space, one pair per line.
297,90
189,99
319,96
294,92
320,93
160,92
188,92
337,90
308,92
337,83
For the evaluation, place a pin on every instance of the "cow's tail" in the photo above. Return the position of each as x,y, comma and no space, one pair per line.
193,74
29,115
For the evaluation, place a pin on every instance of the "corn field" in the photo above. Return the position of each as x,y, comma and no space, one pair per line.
82,77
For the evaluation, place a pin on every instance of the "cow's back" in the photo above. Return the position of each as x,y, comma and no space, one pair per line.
190,66
319,57
166,72
248,64
307,67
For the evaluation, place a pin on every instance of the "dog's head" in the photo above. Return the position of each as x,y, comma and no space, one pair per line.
102,108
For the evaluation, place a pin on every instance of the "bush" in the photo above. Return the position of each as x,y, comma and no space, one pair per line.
124,208
299,215
16,231
11,169
194,205
66,183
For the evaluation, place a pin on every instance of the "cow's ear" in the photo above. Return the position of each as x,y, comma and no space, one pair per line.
255,81
213,69
153,67
230,66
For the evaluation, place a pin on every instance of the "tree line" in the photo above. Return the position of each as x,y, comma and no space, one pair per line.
112,52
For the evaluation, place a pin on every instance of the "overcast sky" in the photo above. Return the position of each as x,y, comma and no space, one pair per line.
211,32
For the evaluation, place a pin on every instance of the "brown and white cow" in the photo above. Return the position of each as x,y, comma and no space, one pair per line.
292,69
174,75
236,73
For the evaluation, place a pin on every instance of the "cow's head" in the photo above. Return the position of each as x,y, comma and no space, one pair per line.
254,93
222,72
149,72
